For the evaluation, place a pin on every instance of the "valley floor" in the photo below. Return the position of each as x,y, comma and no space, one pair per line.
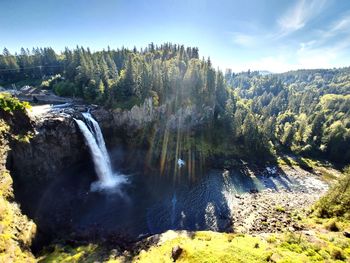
274,225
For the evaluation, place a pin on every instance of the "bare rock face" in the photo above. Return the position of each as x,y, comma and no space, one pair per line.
55,145
129,122
16,229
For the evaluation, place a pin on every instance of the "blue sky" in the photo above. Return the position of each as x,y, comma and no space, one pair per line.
275,35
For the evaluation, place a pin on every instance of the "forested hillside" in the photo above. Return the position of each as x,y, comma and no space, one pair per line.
253,116
305,111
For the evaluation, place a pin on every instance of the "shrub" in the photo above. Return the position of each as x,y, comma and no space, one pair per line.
336,203
337,254
11,104
333,226
64,88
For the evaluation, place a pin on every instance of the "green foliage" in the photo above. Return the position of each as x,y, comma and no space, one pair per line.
49,82
336,203
86,253
64,88
332,226
11,104
221,247
208,247
306,111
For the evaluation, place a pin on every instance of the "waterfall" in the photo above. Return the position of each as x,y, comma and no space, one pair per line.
96,130
94,139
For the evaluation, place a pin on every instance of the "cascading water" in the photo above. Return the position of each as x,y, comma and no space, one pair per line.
96,130
94,139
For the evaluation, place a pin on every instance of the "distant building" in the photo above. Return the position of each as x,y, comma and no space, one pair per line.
28,90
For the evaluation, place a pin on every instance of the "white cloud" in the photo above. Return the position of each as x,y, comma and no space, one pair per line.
335,37
324,47
302,58
244,40
341,25
316,58
271,63
296,17
307,45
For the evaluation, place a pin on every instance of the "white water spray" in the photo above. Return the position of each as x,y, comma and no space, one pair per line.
94,139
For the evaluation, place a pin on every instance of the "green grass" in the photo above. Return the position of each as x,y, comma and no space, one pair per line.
89,253
221,247
60,253
305,163
209,247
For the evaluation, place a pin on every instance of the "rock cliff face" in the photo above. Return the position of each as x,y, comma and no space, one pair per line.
139,116
125,124
16,230
55,145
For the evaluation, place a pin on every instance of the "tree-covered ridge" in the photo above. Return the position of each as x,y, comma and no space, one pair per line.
112,77
304,112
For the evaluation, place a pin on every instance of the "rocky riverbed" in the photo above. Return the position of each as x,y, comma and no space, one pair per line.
280,206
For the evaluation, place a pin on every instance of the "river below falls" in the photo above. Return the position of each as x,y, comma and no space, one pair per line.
148,204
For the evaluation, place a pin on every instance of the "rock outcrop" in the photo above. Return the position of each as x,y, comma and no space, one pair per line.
16,230
55,145
136,119
55,142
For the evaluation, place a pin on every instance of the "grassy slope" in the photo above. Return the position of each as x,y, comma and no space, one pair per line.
219,247
316,245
